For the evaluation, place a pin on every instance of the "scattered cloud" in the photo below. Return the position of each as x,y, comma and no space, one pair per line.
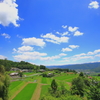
94,52
49,37
88,55
29,56
66,49
73,46
2,57
94,4
63,34
78,33
70,48
23,49
6,35
9,12
72,29
53,57
19,36
64,26
98,55
62,54
33,41
36,56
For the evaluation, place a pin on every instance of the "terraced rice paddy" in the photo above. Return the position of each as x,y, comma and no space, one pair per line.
33,86
27,92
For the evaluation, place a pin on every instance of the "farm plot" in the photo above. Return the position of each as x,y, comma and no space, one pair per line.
14,84
27,92
44,90
44,80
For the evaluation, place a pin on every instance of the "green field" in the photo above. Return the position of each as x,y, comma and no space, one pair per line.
38,84
45,84
14,84
44,89
44,80
27,92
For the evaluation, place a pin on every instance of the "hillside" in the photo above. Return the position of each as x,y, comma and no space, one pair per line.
78,66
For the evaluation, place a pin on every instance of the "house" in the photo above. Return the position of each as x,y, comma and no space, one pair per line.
14,74
14,69
41,70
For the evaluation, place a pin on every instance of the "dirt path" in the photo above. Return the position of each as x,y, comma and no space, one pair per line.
37,92
68,83
18,91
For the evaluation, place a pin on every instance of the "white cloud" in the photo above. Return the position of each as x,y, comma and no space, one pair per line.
98,55
97,51
66,49
78,57
29,56
90,53
23,49
6,35
85,56
33,41
53,57
9,13
73,46
64,26
72,29
62,34
49,37
58,33
94,4
94,52
2,57
78,33
62,54
65,33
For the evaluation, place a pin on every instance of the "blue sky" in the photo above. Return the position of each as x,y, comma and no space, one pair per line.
50,32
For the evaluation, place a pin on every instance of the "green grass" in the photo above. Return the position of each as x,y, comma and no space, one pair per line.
44,80
49,80
44,90
27,92
14,84
13,89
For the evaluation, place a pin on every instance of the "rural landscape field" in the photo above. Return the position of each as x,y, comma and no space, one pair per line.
35,87
25,81
49,50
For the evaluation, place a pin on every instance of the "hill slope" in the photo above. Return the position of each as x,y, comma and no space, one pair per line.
78,66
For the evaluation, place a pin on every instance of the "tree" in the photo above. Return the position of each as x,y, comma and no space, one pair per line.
54,86
4,83
94,90
42,67
78,86
20,74
81,74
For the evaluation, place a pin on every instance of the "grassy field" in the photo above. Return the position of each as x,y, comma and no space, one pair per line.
44,89
27,92
45,84
44,80
38,86
14,87
14,84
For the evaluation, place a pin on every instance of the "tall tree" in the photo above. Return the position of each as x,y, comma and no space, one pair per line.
4,83
54,85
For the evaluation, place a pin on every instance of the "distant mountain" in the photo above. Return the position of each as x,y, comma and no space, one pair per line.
78,66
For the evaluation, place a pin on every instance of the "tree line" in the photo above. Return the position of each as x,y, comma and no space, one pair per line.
82,88
8,64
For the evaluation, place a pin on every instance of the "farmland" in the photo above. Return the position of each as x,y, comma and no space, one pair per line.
29,86
36,86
